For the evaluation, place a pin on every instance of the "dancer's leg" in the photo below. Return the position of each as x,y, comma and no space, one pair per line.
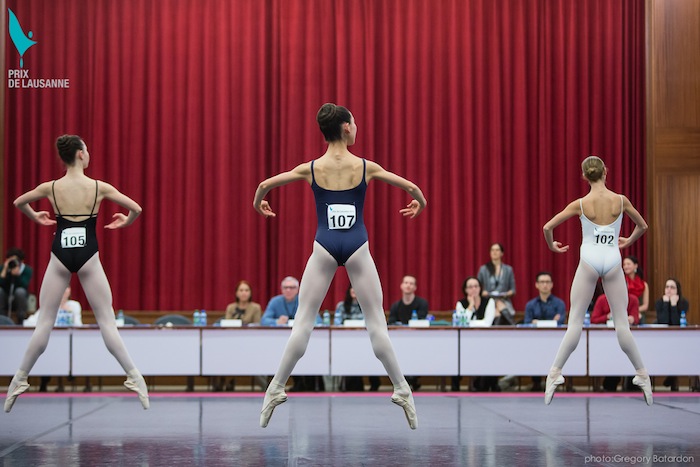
56,279
582,289
616,292
99,294
315,281
317,277
365,280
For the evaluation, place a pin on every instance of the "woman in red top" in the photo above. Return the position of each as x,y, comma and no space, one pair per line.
636,285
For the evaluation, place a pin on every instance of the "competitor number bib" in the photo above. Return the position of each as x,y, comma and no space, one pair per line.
604,236
73,237
341,216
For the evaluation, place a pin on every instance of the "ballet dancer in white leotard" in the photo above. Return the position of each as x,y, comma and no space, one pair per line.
601,213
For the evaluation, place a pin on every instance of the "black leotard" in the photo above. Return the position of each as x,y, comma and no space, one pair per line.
75,242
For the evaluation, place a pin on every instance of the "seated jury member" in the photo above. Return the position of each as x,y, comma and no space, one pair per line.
244,308
668,311
670,306
402,310
545,306
281,308
602,314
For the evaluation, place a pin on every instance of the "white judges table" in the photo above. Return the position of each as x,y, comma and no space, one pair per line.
436,351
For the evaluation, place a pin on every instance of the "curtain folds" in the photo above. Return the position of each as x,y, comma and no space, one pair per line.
489,106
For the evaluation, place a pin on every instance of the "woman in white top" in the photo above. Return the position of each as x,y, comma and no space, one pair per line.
71,306
480,310
600,212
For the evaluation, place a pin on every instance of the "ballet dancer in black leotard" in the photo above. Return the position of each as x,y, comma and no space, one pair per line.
75,250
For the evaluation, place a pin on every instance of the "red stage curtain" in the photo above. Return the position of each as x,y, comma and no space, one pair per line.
489,106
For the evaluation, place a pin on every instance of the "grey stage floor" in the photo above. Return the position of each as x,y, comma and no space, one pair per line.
349,430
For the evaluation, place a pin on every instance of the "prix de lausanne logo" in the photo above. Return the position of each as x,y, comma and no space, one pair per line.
22,41
20,77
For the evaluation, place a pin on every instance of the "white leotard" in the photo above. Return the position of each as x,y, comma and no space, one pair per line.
599,247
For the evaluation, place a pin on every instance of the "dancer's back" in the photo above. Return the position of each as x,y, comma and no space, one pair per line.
602,207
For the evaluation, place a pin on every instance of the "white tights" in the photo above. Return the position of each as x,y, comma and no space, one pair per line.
94,281
364,278
582,290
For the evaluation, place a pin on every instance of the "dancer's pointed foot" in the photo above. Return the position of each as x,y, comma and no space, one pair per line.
18,385
404,398
644,382
274,396
553,380
136,383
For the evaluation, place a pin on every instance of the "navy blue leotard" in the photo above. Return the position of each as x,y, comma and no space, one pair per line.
75,242
341,225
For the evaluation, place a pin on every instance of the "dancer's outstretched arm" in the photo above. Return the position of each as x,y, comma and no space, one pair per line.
573,209
640,226
419,202
120,220
22,203
300,172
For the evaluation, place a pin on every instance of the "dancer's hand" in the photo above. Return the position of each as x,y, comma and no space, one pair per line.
42,217
623,242
118,222
265,209
412,209
558,248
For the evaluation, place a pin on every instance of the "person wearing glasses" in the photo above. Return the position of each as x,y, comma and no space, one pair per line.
546,306
283,307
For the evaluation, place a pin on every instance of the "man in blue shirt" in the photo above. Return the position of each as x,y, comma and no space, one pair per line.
282,308
544,307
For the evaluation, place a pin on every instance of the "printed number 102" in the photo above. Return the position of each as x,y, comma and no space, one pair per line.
604,239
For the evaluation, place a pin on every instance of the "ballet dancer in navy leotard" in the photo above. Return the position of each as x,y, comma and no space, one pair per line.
76,200
600,212
339,180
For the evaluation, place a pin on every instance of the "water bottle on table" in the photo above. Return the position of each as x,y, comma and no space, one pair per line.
120,318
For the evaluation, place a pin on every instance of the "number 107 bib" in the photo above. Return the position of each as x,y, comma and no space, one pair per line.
341,216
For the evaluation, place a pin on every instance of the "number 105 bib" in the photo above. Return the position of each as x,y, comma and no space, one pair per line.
341,216
73,237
